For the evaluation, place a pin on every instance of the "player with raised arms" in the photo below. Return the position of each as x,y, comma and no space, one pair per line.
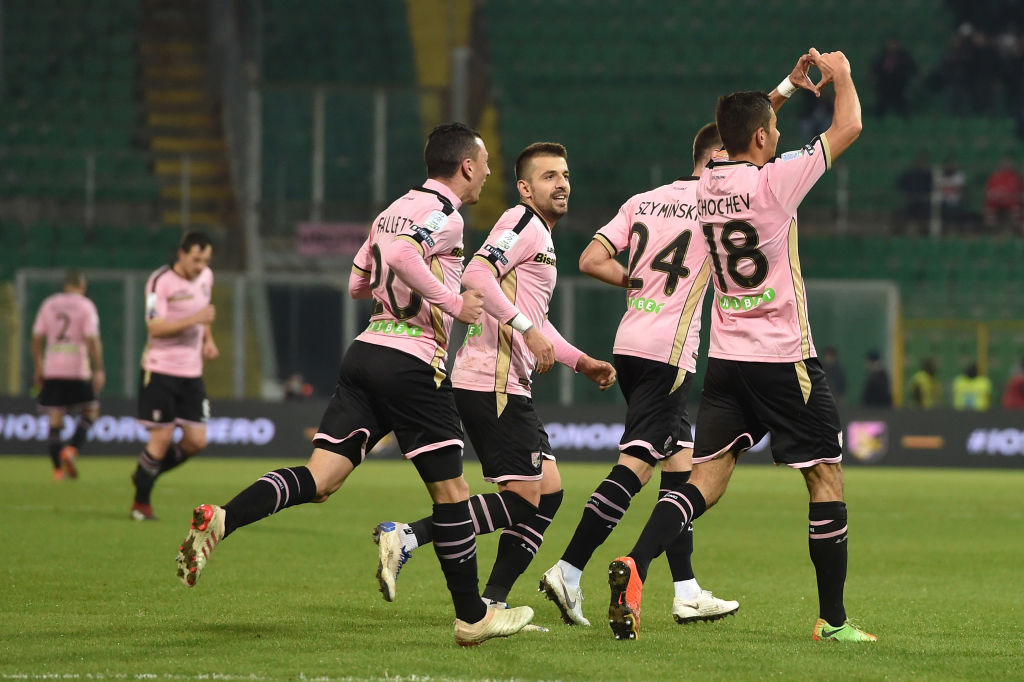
763,375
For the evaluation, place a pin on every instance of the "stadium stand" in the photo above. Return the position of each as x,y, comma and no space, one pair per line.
69,89
370,49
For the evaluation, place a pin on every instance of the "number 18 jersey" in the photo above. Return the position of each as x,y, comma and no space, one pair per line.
748,217
668,273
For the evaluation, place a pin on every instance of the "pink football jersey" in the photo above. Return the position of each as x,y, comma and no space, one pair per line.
66,320
402,319
748,216
520,253
668,273
170,296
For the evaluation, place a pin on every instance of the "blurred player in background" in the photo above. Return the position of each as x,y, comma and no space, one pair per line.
655,356
171,388
763,374
65,338
515,269
393,378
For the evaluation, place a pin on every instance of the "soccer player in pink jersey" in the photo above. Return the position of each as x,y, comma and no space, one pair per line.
516,270
763,374
65,338
171,388
655,357
393,378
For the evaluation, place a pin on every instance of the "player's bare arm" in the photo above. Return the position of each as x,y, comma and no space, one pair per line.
600,372
99,374
797,78
159,327
210,350
599,264
846,119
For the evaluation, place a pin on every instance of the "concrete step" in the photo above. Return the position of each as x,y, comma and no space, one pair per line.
204,170
173,48
166,119
197,192
173,217
177,71
174,96
186,145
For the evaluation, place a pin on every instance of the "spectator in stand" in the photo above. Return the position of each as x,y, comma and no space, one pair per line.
916,183
953,74
893,69
815,114
951,191
876,387
925,389
835,375
1010,69
971,390
1004,196
1013,395
981,64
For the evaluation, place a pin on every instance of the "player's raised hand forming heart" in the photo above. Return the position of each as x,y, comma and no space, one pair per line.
800,78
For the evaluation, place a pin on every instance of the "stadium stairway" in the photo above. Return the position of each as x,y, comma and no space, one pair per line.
182,118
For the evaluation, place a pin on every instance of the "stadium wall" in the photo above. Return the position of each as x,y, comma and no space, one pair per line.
944,438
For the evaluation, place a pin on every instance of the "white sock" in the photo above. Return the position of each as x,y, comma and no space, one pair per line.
687,590
570,574
409,542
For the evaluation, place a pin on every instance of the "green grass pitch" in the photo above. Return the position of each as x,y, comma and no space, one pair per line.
936,570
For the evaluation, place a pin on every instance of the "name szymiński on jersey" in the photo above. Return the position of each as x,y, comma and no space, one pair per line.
393,224
675,209
723,205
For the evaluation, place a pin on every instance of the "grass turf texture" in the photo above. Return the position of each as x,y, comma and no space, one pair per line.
935,571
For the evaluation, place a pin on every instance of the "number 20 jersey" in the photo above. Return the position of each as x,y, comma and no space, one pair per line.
668,273
748,217
428,216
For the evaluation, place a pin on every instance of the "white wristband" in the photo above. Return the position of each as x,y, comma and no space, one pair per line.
785,88
521,323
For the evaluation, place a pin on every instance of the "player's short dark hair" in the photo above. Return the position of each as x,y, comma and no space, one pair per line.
739,115
194,239
448,145
706,142
74,278
538,149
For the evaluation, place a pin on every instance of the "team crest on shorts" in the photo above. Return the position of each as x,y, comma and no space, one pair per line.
668,445
156,415
535,459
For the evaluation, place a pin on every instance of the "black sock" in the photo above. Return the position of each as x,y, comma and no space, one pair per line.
174,457
144,477
603,511
423,530
671,514
53,446
270,494
455,546
681,549
489,513
828,547
518,545
81,431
